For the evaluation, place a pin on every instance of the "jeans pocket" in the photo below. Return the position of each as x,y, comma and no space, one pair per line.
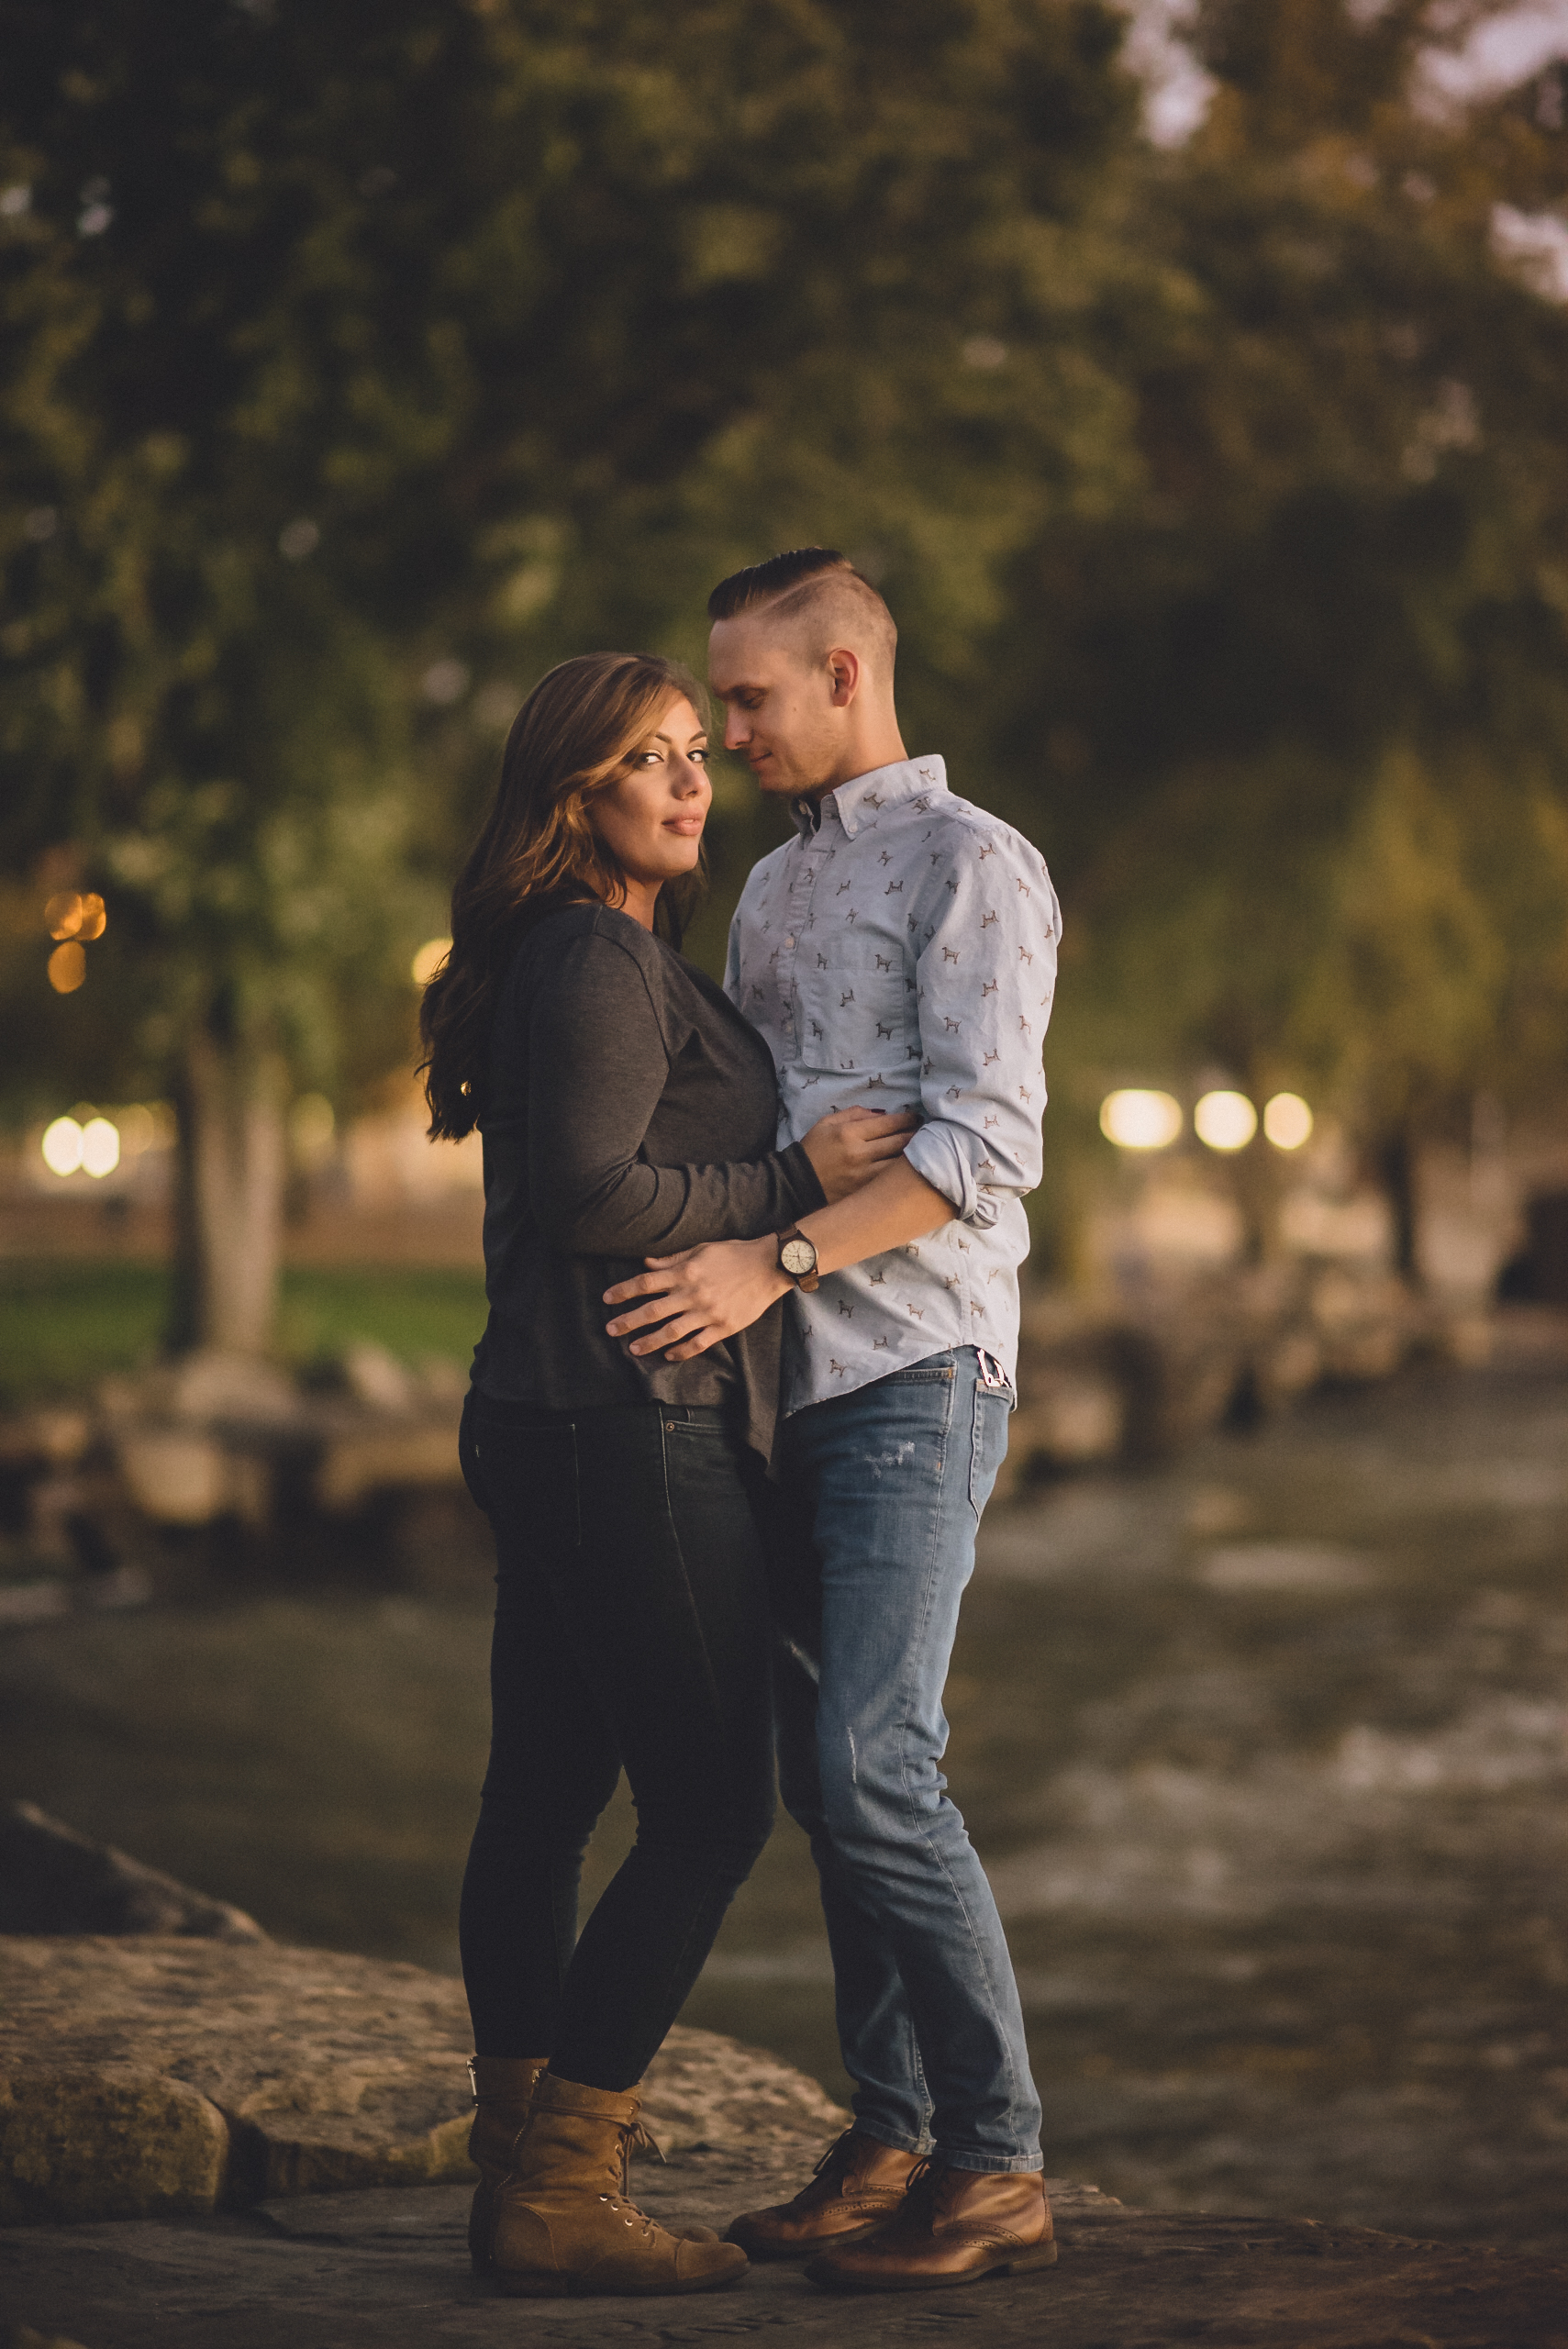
992,1408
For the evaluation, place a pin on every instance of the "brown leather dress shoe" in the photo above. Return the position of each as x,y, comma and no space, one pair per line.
953,2226
858,2185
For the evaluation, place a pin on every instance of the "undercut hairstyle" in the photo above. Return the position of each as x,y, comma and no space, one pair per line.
538,851
818,590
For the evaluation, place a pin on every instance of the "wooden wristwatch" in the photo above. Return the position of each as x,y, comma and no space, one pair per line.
797,1259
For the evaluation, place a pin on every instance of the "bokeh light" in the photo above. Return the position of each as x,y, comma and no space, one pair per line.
62,1146
1287,1120
1134,1119
100,1148
428,960
1225,1120
67,968
70,914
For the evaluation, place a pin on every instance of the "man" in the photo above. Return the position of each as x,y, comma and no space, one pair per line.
899,953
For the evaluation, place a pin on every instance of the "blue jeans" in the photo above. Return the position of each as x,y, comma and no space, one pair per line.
870,1536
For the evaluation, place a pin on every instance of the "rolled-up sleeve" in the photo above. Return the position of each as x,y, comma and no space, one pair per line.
985,978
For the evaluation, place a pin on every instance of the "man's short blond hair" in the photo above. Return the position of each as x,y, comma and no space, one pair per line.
817,592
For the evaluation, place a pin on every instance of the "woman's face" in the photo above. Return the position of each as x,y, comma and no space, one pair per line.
651,818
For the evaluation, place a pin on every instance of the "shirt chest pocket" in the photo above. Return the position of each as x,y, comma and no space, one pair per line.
853,1019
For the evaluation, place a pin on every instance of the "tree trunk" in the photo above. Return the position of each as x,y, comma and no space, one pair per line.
1396,1171
231,1166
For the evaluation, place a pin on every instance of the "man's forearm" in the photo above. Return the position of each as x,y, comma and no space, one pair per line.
899,1206
708,1293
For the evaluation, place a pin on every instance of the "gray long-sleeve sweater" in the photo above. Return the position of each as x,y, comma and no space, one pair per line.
630,1111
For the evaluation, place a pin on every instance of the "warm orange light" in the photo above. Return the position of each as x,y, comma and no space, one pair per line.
1225,1120
62,915
428,960
67,968
95,918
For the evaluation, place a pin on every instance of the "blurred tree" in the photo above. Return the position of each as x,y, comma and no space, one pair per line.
355,350
1306,711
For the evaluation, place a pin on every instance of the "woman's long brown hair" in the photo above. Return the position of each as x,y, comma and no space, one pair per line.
538,851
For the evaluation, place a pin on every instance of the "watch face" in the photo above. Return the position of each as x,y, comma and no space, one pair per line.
797,1256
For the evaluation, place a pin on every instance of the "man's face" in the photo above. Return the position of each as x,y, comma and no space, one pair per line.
781,714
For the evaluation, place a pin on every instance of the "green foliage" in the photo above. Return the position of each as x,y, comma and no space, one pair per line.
71,1321
1220,494
512,326
1305,710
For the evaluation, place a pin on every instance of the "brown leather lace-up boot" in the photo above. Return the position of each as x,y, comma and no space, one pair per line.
503,2092
954,2226
858,2185
563,2223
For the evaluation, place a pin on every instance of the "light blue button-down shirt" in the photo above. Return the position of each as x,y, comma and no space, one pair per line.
902,953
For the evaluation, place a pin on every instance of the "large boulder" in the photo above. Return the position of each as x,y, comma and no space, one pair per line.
148,2076
53,1880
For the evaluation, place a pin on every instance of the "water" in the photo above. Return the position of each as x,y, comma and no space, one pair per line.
1265,1753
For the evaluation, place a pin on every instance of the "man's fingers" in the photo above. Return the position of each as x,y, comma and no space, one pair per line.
644,1284
696,1345
685,1326
661,1309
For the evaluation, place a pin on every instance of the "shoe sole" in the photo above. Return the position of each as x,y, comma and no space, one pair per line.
809,2250
1025,2262
517,2287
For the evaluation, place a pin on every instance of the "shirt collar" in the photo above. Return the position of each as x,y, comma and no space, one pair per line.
861,798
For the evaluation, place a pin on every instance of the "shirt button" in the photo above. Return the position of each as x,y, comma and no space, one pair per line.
789,941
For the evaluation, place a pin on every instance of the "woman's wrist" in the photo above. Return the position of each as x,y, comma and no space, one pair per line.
767,1250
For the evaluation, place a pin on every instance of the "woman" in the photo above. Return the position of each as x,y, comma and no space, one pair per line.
627,1111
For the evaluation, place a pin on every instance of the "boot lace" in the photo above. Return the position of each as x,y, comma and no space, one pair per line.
924,2189
836,2159
634,2138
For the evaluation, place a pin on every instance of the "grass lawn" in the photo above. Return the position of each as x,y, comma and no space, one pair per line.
65,1324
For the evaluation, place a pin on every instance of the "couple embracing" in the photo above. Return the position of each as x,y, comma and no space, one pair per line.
751,1256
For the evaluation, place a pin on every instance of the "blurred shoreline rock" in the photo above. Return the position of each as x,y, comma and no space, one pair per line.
164,2074
218,1461
222,1464
54,1881
1135,1372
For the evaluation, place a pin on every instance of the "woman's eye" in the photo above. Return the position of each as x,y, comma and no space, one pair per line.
698,758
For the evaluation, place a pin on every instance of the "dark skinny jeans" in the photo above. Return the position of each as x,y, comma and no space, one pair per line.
631,1630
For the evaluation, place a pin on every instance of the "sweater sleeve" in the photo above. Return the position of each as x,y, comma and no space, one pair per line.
598,1062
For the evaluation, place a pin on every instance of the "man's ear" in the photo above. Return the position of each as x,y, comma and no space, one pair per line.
844,673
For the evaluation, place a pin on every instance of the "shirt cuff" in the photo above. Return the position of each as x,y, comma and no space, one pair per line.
939,1156
806,1192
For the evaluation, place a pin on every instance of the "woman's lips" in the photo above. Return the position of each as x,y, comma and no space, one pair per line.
687,827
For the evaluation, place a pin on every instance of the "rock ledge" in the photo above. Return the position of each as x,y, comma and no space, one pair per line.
158,2076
